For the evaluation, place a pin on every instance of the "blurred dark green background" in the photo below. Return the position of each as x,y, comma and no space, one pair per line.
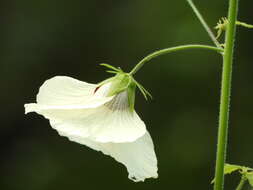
45,38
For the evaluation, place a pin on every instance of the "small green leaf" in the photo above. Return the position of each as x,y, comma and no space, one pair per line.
131,95
228,169
249,176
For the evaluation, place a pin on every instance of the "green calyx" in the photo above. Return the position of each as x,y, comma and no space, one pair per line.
124,82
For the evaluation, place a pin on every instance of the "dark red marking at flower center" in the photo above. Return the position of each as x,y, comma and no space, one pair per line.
96,89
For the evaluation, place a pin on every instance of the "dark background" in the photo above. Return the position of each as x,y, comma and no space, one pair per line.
45,38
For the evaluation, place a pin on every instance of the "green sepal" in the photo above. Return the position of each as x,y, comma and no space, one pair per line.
111,67
110,71
120,83
123,82
144,92
131,95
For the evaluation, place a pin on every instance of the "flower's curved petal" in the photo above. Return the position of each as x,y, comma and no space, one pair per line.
138,156
101,125
112,122
63,92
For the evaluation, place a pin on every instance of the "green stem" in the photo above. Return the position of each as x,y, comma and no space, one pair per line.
169,50
242,182
225,95
203,22
244,24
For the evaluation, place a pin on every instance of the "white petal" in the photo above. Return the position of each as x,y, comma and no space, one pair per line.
104,122
67,93
138,156
62,90
112,122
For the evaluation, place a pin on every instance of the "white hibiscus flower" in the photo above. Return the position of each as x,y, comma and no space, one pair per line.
102,117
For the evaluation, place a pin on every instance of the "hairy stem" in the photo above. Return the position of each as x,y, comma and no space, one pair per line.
203,22
225,95
169,50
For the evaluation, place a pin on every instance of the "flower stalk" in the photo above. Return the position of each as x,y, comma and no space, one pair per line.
225,94
170,50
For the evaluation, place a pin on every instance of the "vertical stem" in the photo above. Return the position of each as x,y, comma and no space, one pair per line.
242,182
225,95
203,22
